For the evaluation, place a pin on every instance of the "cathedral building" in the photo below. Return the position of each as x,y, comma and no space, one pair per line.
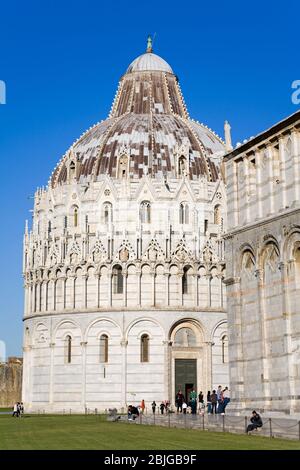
263,269
124,263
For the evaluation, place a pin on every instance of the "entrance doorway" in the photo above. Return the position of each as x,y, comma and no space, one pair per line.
185,377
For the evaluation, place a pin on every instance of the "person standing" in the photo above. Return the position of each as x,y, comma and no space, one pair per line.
208,400
162,407
15,411
214,401
226,398
143,406
184,407
179,400
153,406
193,401
220,399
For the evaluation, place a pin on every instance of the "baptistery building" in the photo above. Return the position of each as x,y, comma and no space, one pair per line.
124,262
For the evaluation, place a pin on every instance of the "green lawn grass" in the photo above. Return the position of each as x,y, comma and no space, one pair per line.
91,432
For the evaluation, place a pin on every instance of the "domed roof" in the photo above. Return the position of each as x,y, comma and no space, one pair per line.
148,131
147,62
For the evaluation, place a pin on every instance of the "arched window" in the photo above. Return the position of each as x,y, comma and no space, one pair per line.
75,216
68,349
145,348
297,264
184,213
182,169
118,280
217,214
123,166
224,349
185,337
145,212
107,213
65,222
103,348
72,170
185,281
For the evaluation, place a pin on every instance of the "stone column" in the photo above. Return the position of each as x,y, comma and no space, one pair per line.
285,269
208,373
152,273
125,275
83,345
26,385
282,171
123,400
167,274
73,289
63,293
45,296
296,161
196,296
138,276
247,187
98,280
259,273
209,278
167,376
258,158
109,276
236,353
180,290
84,290
51,377
269,151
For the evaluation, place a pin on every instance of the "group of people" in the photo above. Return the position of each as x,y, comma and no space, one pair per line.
18,410
165,406
216,401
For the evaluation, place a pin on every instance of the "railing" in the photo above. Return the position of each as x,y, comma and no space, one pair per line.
272,427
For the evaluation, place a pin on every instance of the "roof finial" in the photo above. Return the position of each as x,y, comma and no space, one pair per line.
149,44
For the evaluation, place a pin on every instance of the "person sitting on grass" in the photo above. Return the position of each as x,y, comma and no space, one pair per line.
256,422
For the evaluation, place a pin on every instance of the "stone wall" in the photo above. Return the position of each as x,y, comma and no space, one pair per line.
11,381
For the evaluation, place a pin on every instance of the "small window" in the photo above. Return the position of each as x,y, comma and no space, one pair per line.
183,213
145,212
217,214
224,349
75,216
205,226
182,170
65,222
123,166
68,349
49,227
185,281
118,280
103,348
107,212
145,348
72,170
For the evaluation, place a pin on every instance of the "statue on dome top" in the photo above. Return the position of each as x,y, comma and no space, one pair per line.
149,44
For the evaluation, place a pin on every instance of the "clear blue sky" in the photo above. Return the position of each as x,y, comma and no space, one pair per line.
61,62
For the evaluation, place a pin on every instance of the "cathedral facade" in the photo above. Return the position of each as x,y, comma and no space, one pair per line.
124,263
263,269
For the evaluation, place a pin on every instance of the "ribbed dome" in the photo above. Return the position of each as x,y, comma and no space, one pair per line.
148,62
148,130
